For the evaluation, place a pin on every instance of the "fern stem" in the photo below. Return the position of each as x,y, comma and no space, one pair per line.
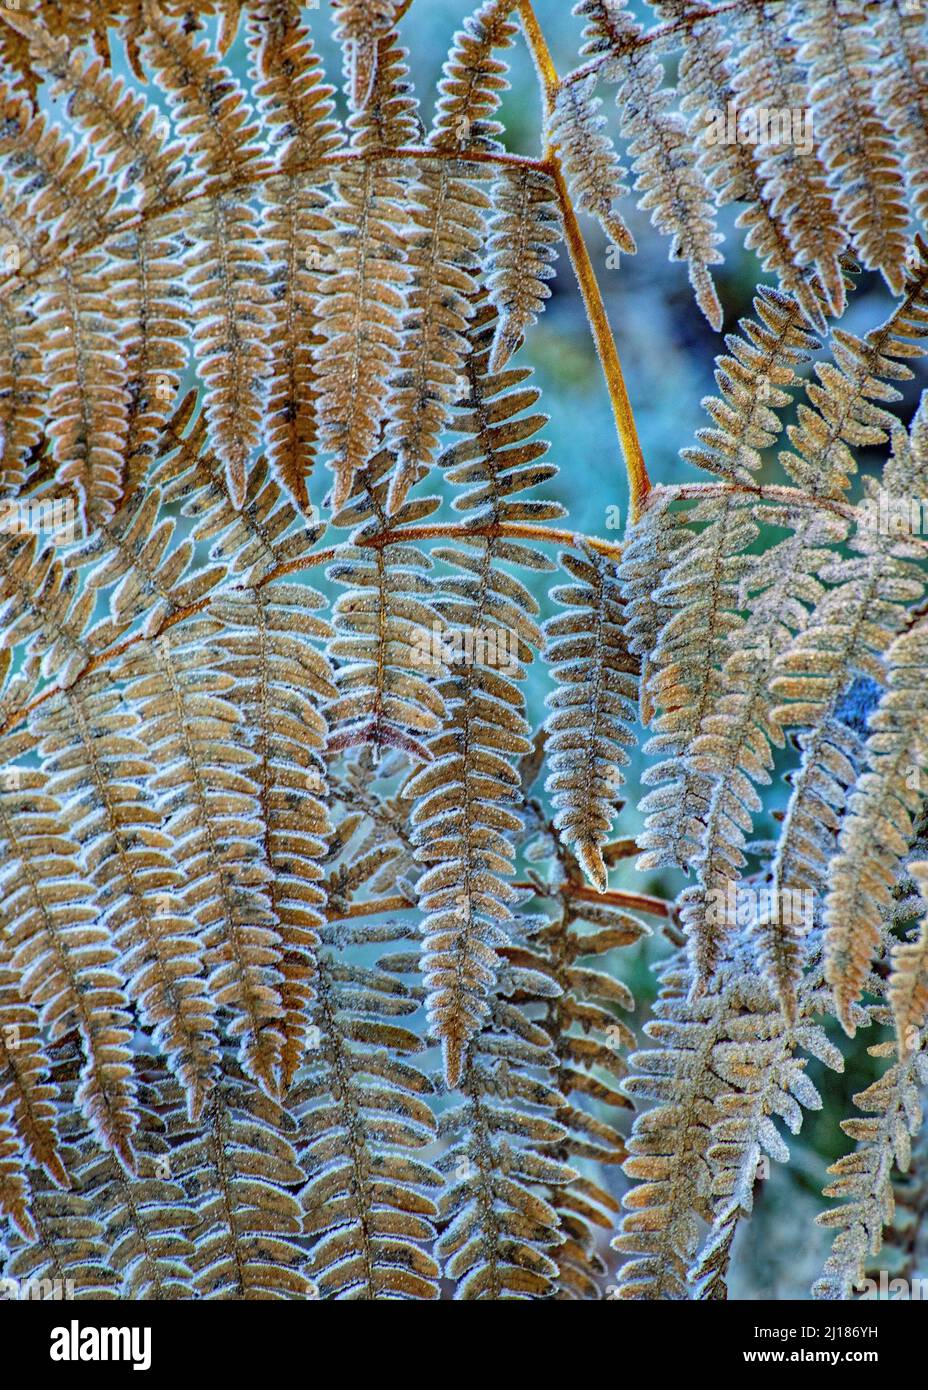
639,483
395,903
613,897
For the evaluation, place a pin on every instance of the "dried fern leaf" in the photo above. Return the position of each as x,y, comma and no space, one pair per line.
754,378
444,258
26,1094
147,1218
845,637
901,93
878,827
281,680
77,306
242,1177
472,80
669,1144
269,532
40,606
229,295
21,392
841,415
362,314
792,172
465,795
210,792
863,1178
296,105
67,966
668,180
360,25
524,231
835,47
587,1038
734,169
382,625
96,764
593,709
499,1240
68,1258
588,156
365,1123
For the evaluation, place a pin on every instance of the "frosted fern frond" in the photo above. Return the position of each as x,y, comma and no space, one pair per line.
792,172
499,1239
878,828
908,986
524,230
588,729
863,1178
385,629
364,1125
360,25
841,415
590,162
835,48
668,180
467,796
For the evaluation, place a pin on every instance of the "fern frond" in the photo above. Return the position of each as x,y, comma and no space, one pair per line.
841,414
499,1239
252,542
296,105
587,1038
210,790
863,1178
26,1094
901,92
593,708
590,162
792,172
668,179
97,767
465,795
229,295
835,47
281,680
767,1080
242,1178
472,79
383,626
754,378
844,640
67,966
360,25
524,231
364,1122
362,315
878,827
78,316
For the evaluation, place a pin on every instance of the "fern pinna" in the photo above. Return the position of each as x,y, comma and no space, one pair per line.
312,980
